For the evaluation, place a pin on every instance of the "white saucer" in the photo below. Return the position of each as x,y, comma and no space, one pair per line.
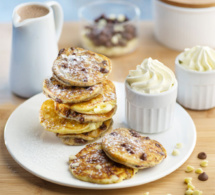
42,153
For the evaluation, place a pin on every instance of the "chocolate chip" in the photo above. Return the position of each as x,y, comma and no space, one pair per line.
65,59
73,53
64,65
83,69
202,155
74,60
81,119
87,133
61,51
143,156
68,112
74,114
147,138
104,70
162,153
134,133
203,177
158,145
85,79
72,48
103,127
49,96
128,148
58,100
104,62
80,141
114,133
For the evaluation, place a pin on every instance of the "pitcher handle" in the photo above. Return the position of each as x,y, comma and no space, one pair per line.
58,17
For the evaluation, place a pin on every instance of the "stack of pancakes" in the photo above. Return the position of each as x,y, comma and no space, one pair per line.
83,101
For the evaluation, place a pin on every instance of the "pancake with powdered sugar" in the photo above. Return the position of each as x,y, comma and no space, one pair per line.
128,147
80,67
92,165
69,94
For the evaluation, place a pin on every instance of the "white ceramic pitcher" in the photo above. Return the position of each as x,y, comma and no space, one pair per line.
34,48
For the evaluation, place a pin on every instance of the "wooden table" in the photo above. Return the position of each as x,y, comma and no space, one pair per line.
14,179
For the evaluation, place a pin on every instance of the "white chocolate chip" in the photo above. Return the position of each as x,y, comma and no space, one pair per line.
199,171
74,164
102,23
115,39
72,157
188,180
118,28
189,192
112,16
189,169
146,193
204,163
114,178
179,145
121,18
175,152
190,186
98,167
197,192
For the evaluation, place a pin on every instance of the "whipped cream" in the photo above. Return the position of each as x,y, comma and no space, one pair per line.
199,58
151,76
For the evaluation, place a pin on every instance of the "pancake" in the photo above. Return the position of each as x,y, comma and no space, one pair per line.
84,138
80,67
65,112
101,104
50,120
128,147
69,94
92,165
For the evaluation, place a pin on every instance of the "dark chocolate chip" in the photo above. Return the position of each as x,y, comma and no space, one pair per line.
74,60
158,145
58,100
85,80
65,59
202,155
104,70
72,48
83,69
68,112
203,177
147,138
61,51
73,53
80,141
134,133
162,153
129,150
114,133
81,120
104,62
143,156
64,65
74,114
49,96
103,127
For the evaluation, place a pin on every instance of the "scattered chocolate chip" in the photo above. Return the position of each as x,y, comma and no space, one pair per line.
128,148
147,138
80,141
202,155
83,69
73,53
74,60
64,65
61,51
203,177
103,127
49,96
65,59
72,48
104,70
134,133
158,145
85,80
104,62
114,133
68,112
81,119
162,153
58,100
143,156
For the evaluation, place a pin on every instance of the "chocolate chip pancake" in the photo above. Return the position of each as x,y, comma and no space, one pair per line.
128,147
83,118
103,103
50,120
69,94
92,165
80,67
84,138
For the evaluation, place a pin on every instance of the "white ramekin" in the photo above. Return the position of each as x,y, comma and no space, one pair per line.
181,27
150,113
196,90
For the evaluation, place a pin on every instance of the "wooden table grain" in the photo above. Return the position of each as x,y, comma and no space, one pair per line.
15,180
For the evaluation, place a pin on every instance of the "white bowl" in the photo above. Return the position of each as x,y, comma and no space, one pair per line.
196,90
150,113
181,27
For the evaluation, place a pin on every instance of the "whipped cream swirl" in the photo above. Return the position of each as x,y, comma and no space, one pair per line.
199,58
151,77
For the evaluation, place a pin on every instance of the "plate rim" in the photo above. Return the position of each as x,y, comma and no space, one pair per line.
102,186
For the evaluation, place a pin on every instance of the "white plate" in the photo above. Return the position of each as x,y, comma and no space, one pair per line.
42,153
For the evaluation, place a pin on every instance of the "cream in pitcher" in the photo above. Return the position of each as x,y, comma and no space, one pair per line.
36,31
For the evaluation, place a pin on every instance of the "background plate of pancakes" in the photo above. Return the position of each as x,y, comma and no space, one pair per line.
44,155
